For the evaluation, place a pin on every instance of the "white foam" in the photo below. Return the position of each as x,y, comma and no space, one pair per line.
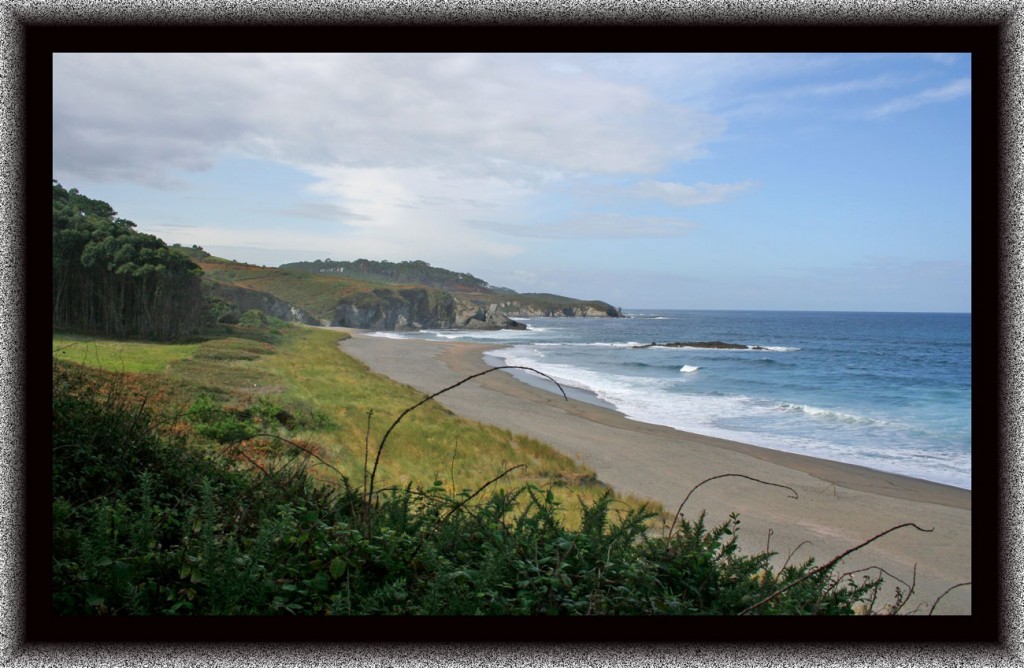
749,349
388,335
477,334
827,415
687,368
839,436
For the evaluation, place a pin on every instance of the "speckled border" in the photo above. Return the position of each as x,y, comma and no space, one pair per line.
15,292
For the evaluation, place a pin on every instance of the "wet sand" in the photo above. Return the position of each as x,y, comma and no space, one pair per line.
839,505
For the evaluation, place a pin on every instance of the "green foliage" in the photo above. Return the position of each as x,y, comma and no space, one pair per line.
110,279
220,311
145,524
253,318
416,272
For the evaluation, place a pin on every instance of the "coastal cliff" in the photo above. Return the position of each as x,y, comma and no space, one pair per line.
245,299
417,308
372,295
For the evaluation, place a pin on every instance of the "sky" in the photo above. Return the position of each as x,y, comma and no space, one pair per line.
832,181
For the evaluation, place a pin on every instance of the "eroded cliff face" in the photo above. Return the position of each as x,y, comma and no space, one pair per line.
582,311
246,299
408,309
417,308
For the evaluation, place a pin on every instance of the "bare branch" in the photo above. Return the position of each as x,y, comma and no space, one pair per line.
380,448
830,564
724,475
962,584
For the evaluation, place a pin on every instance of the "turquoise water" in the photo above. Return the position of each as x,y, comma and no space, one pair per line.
891,391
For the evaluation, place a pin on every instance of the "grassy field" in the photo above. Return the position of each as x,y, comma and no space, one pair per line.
125,356
341,409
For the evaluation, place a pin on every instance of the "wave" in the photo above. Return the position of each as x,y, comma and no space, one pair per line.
486,334
388,335
584,344
787,426
739,348
833,415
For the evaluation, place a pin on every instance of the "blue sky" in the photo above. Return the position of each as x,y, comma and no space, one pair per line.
705,181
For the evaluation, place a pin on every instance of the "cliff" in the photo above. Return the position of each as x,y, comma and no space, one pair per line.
527,309
416,308
312,293
245,299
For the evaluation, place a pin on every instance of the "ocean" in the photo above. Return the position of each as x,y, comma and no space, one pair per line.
890,391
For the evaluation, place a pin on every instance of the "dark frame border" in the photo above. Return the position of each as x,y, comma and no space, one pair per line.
987,40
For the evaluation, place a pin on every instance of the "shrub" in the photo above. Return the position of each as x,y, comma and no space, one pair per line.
253,318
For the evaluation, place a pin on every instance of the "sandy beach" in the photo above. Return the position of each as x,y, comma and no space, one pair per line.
839,505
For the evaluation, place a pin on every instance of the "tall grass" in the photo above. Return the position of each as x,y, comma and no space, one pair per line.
432,444
331,396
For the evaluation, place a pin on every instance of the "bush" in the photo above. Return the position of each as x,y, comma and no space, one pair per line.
253,318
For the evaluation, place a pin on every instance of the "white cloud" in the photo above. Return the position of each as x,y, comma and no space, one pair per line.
117,112
951,91
432,151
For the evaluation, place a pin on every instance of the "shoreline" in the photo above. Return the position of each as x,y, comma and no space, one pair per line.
839,505
855,476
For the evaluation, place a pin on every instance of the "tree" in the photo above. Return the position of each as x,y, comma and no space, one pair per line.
110,279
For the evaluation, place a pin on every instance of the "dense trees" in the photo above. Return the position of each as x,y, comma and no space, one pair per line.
416,272
112,280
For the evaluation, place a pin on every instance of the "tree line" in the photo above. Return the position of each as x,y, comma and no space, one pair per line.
415,272
110,279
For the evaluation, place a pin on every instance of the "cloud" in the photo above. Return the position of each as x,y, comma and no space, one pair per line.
432,152
140,115
680,194
600,226
951,91
324,211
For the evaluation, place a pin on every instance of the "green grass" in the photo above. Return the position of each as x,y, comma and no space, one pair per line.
430,444
117,355
303,372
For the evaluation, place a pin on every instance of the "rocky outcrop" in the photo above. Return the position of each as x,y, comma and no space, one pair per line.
413,308
472,316
247,299
568,309
563,311
417,308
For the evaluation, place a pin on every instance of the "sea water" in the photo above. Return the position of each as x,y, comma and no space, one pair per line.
890,391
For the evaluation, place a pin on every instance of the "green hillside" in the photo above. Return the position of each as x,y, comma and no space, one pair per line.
414,272
110,279
461,284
